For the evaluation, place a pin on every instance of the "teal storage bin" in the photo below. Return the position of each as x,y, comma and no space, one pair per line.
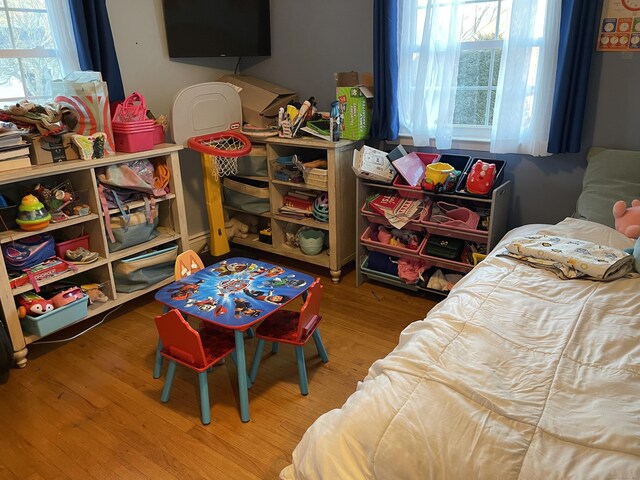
254,164
248,195
56,319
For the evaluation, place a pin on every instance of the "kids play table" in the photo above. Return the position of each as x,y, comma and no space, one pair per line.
235,294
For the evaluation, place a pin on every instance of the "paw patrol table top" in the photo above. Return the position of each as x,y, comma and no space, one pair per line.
235,293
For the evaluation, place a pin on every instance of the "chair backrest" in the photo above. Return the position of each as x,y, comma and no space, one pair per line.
187,262
179,339
310,311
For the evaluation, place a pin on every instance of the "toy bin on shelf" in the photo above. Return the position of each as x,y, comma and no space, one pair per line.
458,162
72,244
56,319
386,248
414,191
462,184
134,136
442,262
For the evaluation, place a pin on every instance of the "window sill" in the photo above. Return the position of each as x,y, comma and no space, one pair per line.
470,144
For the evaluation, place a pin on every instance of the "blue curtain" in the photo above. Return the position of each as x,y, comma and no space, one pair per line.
385,125
578,29
96,50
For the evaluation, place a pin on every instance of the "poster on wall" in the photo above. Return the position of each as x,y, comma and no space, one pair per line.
619,26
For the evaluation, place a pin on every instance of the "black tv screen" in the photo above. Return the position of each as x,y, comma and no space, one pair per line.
217,28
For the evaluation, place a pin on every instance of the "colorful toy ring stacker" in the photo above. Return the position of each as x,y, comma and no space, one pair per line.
32,215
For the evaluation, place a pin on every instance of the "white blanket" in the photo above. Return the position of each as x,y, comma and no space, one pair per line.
516,375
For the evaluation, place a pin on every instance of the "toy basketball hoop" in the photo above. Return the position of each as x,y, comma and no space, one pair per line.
223,149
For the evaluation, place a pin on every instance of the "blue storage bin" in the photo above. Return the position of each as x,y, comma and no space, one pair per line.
56,319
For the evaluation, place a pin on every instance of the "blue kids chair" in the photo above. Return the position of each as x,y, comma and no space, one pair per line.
294,328
197,350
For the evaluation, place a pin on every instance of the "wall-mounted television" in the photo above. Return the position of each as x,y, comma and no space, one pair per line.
217,28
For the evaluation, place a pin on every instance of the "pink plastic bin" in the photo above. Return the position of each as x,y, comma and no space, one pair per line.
410,191
72,244
386,248
133,141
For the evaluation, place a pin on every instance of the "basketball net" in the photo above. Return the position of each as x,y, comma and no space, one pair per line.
223,151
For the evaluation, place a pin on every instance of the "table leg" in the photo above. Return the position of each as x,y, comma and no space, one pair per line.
242,376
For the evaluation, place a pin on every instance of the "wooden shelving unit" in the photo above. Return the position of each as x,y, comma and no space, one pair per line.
82,174
342,203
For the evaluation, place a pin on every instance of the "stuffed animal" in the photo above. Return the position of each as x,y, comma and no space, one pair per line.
250,220
235,227
627,220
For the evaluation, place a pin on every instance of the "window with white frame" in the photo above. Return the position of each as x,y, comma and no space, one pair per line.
30,33
450,57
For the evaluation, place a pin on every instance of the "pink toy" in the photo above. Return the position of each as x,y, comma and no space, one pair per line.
627,219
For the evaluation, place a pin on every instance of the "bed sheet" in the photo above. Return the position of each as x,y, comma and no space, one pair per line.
517,374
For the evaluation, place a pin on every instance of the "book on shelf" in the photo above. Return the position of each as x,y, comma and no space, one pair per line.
19,151
15,163
11,136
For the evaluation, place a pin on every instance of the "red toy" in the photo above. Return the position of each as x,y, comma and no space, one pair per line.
481,177
33,304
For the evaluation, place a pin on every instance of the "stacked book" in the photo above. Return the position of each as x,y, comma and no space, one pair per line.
298,203
14,151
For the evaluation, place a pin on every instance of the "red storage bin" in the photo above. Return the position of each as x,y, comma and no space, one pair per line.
136,141
72,244
386,248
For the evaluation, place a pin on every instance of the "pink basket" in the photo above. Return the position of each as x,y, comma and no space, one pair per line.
410,191
133,109
72,244
386,248
137,141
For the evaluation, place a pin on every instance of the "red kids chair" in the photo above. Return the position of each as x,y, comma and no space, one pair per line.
187,262
197,350
294,328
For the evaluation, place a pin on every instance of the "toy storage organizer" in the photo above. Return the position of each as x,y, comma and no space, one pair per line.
336,181
493,208
88,231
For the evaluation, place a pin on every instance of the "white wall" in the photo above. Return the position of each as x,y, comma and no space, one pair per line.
141,46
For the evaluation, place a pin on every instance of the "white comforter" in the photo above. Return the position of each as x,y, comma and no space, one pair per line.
518,374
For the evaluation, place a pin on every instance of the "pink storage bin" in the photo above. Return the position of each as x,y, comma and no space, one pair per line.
72,244
442,262
386,248
445,230
411,191
158,134
133,141
374,217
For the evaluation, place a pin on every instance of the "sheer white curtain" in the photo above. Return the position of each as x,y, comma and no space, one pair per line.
522,112
62,30
429,41
428,54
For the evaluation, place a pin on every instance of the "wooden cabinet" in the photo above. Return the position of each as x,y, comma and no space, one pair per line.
340,229
495,206
82,174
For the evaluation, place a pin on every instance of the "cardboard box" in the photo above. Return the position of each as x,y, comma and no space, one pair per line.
373,164
54,148
260,100
355,94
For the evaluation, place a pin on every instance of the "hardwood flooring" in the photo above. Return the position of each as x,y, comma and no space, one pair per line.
90,409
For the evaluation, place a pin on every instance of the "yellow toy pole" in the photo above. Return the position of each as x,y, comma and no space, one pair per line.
220,152
219,244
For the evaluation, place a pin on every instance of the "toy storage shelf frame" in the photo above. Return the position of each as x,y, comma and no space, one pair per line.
342,203
498,203
171,225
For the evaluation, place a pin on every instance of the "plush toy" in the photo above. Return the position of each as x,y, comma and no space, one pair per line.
250,220
627,219
628,222
235,227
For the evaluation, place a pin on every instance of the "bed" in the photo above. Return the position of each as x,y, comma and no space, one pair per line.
517,374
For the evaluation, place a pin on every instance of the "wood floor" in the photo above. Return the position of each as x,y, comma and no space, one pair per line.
90,409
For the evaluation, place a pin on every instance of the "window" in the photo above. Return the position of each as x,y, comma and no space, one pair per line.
453,72
30,33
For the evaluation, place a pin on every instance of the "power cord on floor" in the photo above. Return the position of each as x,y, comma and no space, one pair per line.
41,342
